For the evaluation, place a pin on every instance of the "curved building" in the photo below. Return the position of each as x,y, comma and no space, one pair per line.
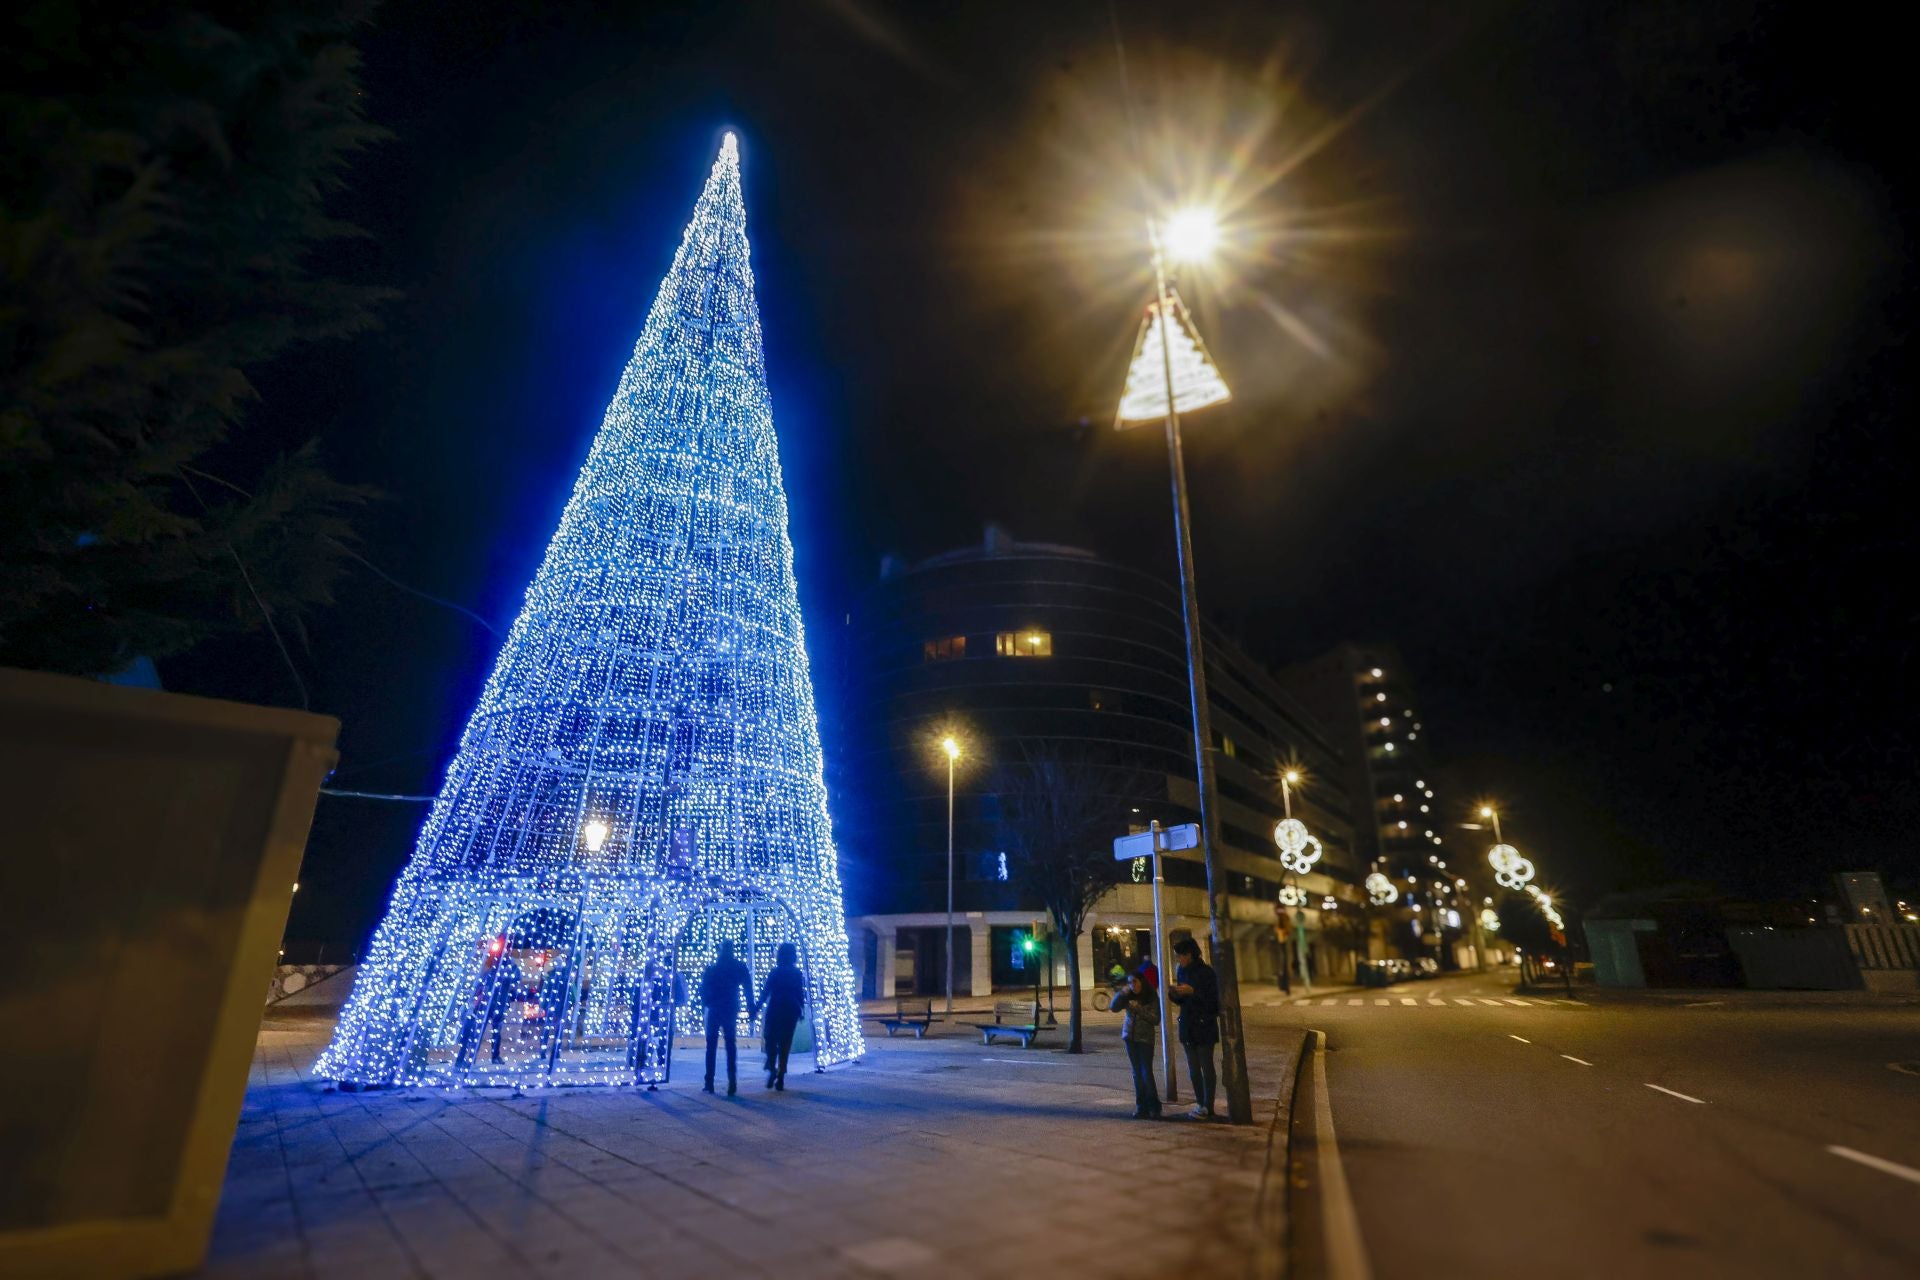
1010,644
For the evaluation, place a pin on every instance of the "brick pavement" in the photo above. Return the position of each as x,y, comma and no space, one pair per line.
913,1161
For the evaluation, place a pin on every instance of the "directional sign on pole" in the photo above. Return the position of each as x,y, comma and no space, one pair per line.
1172,839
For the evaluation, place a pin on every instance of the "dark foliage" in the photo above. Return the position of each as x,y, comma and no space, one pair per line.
1060,809
163,183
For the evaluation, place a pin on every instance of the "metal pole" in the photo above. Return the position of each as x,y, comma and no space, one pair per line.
1159,956
949,886
1233,1051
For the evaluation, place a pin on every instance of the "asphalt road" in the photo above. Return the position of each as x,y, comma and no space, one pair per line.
1643,1135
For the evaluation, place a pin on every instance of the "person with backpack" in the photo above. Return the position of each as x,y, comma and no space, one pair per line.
724,986
1196,989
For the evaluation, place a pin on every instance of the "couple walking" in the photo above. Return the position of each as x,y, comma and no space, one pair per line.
1197,991
723,986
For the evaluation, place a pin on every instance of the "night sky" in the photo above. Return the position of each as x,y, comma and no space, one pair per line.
1567,344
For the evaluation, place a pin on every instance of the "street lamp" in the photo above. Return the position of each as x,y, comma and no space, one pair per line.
951,746
1168,338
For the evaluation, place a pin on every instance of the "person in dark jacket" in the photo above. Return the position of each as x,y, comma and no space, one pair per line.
724,986
1197,991
782,997
1140,1003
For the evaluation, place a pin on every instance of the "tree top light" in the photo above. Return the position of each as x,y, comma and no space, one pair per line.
1191,235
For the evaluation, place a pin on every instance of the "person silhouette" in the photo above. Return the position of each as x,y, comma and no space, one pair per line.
782,997
723,987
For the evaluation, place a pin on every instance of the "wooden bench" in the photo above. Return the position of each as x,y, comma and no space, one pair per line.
910,1015
1015,1019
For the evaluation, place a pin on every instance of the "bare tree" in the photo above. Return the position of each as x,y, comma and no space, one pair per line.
1060,809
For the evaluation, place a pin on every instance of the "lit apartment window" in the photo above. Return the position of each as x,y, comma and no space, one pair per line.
1227,747
945,649
1024,644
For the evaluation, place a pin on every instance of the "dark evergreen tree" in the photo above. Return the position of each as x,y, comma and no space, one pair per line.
163,186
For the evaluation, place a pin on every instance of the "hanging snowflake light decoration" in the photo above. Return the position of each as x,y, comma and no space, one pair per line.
1298,850
1509,868
1291,896
1490,920
1380,889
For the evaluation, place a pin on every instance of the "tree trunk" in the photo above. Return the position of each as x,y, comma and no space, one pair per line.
1073,985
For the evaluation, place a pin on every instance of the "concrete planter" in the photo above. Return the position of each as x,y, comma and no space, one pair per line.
151,845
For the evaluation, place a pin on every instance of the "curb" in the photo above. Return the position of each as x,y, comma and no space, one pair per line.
1271,1242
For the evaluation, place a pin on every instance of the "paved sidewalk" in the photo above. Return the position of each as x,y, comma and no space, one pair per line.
929,1157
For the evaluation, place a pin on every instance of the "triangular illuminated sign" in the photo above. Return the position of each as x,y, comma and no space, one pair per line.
1196,381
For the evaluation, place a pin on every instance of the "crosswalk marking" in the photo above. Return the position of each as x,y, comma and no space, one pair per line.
1432,1001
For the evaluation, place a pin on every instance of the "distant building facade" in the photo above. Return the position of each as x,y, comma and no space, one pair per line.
1363,695
1008,644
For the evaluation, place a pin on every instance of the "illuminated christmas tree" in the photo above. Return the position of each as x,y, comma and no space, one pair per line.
641,779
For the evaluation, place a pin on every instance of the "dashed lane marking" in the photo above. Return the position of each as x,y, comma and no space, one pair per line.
1494,1003
1355,1002
1468,1003
1582,1061
1511,1000
1521,1039
1408,1000
1875,1162
1675,1093
1383,1002
1437,1000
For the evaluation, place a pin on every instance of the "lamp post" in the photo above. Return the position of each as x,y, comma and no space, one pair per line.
1190,235
951,746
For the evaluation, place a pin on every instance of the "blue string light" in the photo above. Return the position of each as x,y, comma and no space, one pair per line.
641,779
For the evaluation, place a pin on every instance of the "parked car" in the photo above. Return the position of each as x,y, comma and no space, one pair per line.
1426,967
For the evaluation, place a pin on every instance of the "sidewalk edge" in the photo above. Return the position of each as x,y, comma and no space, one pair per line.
1269,1261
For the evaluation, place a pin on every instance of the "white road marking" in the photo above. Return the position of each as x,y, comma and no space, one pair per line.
1510,1000
1468,1003
1582,1061
1494,1003
1875,1162
1408,1000
1521,1039
1702,1004
1346,1252
1675,1093
1383,1002
1437,1000
1351,1003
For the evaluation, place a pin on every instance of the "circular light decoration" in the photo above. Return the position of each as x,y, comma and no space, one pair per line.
1490,920
1290,896
1509,868
1381,889
1298,850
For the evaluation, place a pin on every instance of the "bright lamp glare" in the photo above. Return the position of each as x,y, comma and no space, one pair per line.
1192,235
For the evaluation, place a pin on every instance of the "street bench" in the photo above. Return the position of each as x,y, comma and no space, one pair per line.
1014,1019
910,1015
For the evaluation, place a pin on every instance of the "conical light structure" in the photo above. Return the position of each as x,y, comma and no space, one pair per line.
641,779
1196,381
